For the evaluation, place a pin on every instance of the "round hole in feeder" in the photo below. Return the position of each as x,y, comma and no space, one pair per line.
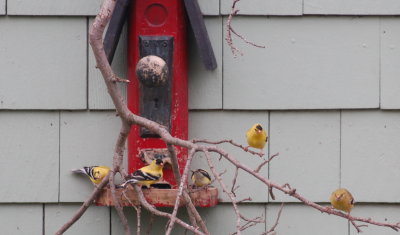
152,71
156,14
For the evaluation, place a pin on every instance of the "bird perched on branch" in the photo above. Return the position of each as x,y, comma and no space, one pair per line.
257,136
147,175
95,173
201,178
342,199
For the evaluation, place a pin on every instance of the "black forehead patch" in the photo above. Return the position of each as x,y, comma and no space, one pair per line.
159,161
259,127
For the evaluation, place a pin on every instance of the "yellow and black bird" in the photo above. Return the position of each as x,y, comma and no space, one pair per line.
256,136
95,173
201,178
146,175
342,199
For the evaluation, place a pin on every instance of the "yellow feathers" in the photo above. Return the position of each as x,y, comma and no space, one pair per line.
201,178
95,173
342,199
147,175
256,136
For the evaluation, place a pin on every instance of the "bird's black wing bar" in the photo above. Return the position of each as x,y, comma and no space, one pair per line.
141,175
115,26
200,34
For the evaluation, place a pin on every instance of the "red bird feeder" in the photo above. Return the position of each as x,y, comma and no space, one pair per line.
158,28
158,88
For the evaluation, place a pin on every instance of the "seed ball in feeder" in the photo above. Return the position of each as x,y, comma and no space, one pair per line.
152,71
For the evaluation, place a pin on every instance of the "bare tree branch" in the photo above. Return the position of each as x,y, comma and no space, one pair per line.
84,206
292,192
191,209
151,222
153,210
138,213
234,181
138,219
230,30
180,191
265,162
246,149
276,222
225,189
118,206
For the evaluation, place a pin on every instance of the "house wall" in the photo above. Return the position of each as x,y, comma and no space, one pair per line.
326,86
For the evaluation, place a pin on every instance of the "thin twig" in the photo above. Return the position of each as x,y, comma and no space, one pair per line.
84,206
175,164
225,189
277,220
228,37
151,222
154,211
138,212
118,206
265,162
356,226
138,219
180,191
194,213
246,149
247,199
115,78
234,181
230,30
191,209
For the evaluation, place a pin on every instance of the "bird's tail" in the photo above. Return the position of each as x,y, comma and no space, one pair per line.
123,185
79,171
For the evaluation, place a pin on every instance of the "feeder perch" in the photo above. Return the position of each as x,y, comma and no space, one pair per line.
159,197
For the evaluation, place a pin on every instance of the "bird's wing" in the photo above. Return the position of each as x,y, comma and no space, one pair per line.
351,199
205,174
140,175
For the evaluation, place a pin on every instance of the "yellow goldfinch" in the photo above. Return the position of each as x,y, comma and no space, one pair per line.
201,178
257,136
147,175
95,173
342,199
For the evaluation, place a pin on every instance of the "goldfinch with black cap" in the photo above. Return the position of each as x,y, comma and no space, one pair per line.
146,175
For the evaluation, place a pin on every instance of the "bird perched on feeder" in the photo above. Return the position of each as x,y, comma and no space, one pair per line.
342,199
146,175
256,137
95,173
201,178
